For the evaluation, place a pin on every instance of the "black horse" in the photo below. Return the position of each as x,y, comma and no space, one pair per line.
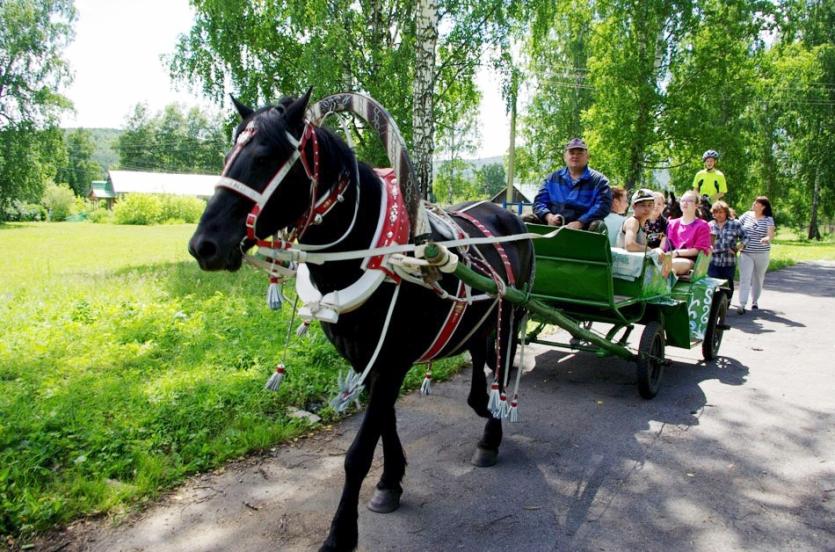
266,139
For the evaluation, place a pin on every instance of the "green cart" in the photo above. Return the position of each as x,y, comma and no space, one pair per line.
581,280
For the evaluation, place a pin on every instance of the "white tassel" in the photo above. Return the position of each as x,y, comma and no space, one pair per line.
504,408
349,390
301,331
493,403
514,410
274,295
426,386
275,380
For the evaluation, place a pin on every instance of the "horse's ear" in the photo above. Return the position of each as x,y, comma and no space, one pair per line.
295,111
672,195
243,110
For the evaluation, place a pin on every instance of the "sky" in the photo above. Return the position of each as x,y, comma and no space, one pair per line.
116,61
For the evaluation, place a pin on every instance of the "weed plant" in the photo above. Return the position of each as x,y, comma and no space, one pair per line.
124,368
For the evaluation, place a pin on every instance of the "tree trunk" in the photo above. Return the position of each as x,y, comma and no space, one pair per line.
814,232
423,124
511,154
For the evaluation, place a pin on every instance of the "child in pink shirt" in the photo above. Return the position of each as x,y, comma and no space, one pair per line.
688,235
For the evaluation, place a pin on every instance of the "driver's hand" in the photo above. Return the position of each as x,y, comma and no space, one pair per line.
577,225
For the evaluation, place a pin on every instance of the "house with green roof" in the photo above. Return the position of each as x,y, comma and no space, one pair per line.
121,183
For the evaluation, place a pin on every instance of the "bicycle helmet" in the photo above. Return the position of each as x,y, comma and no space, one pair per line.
710,153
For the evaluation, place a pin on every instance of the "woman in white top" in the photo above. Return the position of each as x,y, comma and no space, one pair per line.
753,262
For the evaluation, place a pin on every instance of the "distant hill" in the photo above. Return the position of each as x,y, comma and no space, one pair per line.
105,140
474,164
478,163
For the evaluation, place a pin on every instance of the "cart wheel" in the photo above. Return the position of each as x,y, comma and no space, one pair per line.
650,359
715,327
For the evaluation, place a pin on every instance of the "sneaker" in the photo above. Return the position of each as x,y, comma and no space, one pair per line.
740,310
754,307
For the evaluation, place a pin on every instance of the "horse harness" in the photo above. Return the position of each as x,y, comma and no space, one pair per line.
382,262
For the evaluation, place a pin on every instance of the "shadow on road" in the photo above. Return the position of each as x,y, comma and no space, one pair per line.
754,321
812,279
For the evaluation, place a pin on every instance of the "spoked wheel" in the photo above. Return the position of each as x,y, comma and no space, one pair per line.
650,359
716,326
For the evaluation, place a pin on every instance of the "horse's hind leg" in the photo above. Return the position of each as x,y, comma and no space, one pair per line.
487,452
387,494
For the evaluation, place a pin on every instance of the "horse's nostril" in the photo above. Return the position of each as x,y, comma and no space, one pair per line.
206,249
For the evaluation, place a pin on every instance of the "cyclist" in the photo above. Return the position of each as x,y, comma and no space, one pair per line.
710,181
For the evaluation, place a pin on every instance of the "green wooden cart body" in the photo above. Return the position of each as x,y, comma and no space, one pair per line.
578,281
575,274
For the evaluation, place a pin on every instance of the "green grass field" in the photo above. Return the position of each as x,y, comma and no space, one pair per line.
124,368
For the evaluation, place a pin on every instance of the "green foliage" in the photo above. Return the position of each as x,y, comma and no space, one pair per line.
267,51
654,84
33,34
454,182
558,48
19,211
491,179
157,209
138,209
711,89
29,160
123,369
801,88
100,215
181,208
172,141
59,201
80,170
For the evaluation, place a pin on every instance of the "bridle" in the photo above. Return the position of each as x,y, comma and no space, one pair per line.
317,209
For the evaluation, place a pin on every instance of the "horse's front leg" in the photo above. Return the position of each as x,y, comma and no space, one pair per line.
383,393
387,494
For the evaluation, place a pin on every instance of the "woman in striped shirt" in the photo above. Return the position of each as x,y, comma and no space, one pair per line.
753,262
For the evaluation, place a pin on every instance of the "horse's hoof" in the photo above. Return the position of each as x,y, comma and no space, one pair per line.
484,458
385,501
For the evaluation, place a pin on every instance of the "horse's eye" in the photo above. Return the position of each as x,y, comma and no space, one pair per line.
261,156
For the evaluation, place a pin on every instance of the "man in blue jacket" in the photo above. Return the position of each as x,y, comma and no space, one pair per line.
575,196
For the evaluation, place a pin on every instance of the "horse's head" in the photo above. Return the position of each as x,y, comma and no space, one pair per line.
704,211
262,189
673,209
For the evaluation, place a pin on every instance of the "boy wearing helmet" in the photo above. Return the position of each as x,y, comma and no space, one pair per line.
710,181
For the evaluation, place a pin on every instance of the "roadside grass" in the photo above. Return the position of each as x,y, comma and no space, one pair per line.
788,249
124,368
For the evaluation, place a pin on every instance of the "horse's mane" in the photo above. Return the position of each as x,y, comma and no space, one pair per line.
270,123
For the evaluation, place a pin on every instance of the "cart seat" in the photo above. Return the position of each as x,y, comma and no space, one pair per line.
699,270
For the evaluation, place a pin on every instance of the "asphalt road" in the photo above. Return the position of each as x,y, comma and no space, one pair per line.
738,454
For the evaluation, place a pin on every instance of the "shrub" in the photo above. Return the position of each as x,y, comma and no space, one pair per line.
24,212
179,209
138,209
59,200
100,215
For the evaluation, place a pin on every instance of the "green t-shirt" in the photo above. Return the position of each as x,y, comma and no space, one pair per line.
710,182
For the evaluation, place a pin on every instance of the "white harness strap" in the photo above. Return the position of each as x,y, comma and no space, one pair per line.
259,198
239,187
